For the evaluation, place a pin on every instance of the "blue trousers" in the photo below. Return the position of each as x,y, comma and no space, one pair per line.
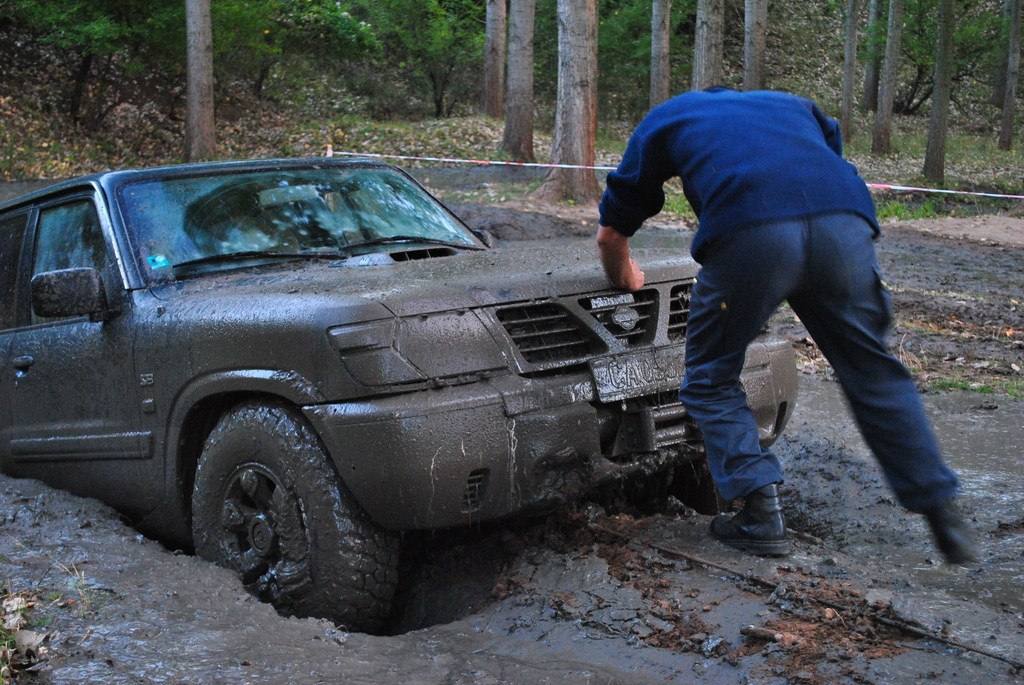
825,267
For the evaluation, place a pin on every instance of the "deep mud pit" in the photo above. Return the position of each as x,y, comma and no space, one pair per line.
584,596
607,595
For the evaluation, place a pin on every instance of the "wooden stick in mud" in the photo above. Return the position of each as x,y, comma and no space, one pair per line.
770,585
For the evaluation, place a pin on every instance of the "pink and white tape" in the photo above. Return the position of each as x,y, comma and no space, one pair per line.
331,152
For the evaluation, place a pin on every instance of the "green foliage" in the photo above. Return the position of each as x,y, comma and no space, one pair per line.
975,42
98,28
434,46
545,50
69,24
252,37
109,47
98,45
624,57
624,53
323,26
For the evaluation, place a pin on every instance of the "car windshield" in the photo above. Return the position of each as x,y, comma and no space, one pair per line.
294,211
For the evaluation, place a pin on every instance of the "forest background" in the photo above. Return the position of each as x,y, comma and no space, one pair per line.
87,85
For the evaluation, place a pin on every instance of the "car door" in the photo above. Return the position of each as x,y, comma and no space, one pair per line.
12,230
74,401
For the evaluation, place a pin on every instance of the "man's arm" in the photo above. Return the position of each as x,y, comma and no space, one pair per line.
829,127
622,271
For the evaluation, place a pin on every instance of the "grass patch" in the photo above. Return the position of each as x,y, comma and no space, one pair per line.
988,386
677,207
894,209
960,384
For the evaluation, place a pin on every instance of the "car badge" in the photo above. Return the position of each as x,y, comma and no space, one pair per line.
625,317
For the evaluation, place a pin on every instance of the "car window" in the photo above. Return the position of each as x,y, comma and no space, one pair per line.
11,231
291,210
68,236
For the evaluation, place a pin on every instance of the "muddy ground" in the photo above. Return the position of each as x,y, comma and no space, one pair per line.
609,591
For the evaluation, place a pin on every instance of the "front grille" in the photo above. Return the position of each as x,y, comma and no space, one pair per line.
679,311
545,332
671,422
657,421
630,317
473,495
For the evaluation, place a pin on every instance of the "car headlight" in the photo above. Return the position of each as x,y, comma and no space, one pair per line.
444,346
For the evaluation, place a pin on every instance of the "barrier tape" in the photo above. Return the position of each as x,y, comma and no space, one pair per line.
939,190
331,152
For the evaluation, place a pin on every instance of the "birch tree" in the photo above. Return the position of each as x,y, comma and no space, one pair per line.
849,71
935,153
874,62
494,59
661,76
518,138
755,20
200,140
880,141
1002,57
707,45
576,111
1012,70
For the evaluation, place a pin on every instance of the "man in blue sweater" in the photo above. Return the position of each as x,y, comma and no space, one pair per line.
782,217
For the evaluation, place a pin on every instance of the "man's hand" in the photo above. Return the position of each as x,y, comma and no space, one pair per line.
622,271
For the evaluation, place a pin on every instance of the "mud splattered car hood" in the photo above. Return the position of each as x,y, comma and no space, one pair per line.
467,279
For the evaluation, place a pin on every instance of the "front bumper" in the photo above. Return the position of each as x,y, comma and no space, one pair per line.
481,451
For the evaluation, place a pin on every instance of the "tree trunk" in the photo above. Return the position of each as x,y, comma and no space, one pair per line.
261,77
518,138
1002,59
576,113
78,90
494,60
849,71
870,101
1012,70
880,143
935,153
661,75
200,140
755,20
707,45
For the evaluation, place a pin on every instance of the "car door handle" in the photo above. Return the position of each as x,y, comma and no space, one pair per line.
22,363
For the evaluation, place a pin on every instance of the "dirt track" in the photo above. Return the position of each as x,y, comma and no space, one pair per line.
609,594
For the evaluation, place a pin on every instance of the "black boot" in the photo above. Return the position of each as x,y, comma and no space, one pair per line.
953,536
759,528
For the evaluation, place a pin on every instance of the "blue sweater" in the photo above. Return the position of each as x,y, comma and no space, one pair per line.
744,158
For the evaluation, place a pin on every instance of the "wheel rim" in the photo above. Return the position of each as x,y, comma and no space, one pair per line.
264,539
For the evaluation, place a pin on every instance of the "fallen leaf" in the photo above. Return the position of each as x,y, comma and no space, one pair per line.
28,640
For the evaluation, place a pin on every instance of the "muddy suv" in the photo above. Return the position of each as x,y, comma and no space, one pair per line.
285,364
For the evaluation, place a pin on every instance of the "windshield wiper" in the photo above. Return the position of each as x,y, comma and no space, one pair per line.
256,254
387,240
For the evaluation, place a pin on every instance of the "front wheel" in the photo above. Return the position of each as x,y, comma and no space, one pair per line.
268,503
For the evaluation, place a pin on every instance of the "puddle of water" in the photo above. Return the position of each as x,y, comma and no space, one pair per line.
982,437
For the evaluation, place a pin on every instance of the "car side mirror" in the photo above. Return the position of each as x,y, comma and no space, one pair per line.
70,292
484,235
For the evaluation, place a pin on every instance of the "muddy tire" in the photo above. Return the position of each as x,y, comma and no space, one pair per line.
268,503
693,485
